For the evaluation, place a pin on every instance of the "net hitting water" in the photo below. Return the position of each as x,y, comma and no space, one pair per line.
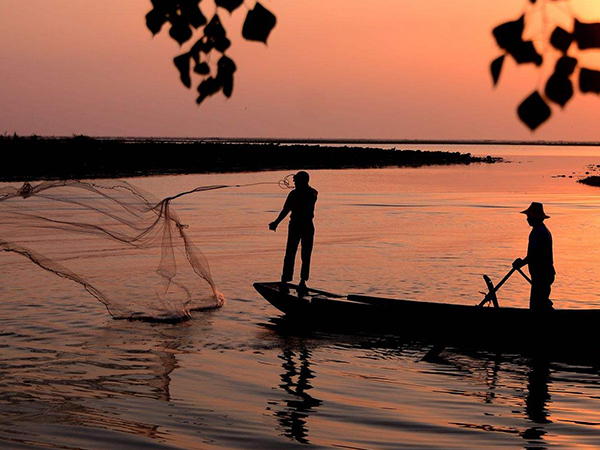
151,269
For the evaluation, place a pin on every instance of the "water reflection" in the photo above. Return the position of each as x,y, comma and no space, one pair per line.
293,410
492,380
537,401
102,381
514,390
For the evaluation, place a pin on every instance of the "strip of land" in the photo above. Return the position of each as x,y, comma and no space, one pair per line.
76,157
411,142
593,180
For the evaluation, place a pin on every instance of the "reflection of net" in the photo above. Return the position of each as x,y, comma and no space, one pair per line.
108,236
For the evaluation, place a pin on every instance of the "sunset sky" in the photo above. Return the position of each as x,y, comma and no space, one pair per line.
388,69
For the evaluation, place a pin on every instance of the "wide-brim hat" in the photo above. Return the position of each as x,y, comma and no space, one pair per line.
536,210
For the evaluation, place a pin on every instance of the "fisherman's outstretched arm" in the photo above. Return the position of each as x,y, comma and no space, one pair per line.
287,207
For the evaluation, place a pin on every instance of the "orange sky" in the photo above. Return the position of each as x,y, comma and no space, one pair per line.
351,69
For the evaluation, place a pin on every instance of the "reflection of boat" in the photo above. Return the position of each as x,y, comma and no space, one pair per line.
511,394
558,330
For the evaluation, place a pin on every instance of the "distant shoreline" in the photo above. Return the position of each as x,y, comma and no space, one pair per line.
404,142
346,141
53,158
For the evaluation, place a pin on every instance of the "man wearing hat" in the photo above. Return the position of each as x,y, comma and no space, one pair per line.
301,203
539,258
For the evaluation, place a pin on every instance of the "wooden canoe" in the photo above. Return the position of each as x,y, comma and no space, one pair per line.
561,329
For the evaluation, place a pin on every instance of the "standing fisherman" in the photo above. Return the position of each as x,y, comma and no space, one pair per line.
301,203
539,258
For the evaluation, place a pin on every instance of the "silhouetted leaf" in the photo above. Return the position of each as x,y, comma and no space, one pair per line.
203,44
561,39
228,87
155,19
525,52
509,37
587,35
589,81
191,13
533,111
214,30
208,87
258,24
202,68
164,6
182,62
559,89
565,65
229,5
195,53
226,68
161,4
180,31
222,44
509,34
215,36
496,67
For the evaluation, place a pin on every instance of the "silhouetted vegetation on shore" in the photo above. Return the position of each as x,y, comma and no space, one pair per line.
593,180
35,157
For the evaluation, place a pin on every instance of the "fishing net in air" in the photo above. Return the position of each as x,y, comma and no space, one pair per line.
126,248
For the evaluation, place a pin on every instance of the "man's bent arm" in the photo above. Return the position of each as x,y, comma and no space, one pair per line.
287,207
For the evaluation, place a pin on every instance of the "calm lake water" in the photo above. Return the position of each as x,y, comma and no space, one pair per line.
73,378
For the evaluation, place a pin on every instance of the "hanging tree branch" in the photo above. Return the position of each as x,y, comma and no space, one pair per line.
184,17
558,89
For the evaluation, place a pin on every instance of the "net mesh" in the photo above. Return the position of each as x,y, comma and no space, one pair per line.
126,248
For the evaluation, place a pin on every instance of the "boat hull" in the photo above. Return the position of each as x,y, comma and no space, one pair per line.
448,324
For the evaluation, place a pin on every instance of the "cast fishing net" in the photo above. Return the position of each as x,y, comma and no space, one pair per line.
126,248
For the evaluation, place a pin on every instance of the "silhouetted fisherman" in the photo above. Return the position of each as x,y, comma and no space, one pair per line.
301,203
539,258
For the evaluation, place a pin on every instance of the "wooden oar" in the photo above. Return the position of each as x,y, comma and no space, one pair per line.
524,276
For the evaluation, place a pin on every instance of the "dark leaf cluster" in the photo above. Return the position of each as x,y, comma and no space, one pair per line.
559,87
184,17
509,37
